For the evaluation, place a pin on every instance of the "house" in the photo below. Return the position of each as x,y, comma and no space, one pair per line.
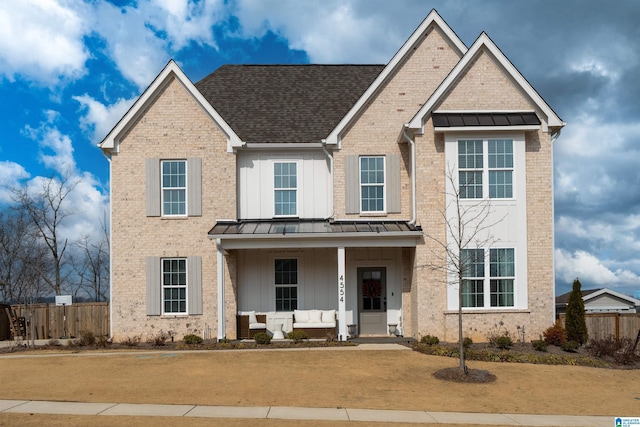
271,188
601,300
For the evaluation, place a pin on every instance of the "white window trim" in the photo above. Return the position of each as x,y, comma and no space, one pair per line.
486,281
298,213
186,287
384,184
186,189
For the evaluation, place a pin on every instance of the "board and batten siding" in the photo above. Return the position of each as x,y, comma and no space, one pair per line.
256,184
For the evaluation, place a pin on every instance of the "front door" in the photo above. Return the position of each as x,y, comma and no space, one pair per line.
372,300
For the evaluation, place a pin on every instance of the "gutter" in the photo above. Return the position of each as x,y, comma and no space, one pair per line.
330,157
412,144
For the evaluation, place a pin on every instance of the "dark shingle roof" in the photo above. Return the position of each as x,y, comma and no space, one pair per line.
285,103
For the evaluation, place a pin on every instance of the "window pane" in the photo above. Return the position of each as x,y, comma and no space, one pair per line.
470,154
473,293
285,185
174,283
502,293
470,184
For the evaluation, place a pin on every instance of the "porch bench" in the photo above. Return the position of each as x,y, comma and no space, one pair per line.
248,324
316,323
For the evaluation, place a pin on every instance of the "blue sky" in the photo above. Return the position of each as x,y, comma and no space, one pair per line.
70,69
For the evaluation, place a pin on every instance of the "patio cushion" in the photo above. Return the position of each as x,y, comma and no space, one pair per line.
329,316
319,325
315,316
301,315
252,317
257,325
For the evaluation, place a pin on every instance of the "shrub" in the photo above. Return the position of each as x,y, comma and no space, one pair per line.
262,338
191,339
555,335
131,341
297,335
103,341
87,338
570,346
539,345
467,342
620,350
503,342
430,340
158,340
575,322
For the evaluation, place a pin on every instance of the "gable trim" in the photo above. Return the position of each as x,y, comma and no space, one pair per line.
433,21
484,44
611,292
111,142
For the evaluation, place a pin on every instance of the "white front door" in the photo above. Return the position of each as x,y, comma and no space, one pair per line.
372,300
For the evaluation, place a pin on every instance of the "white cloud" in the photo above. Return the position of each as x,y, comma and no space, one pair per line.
592,271
100,118
42,40
10,174
329,31
56,149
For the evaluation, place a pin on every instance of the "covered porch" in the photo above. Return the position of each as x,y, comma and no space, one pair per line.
352,268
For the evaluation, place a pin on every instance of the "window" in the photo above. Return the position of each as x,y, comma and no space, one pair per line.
286,280
502,268
470,165
472,261
498,166
174,286
372,180
285,184
500,283
174,187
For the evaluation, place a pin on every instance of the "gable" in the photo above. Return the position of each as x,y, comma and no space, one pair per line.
483,87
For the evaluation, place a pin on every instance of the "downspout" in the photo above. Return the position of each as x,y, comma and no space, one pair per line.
330,157
108,157
412,144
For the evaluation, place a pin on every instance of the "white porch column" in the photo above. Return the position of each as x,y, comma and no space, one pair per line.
221,315
342,296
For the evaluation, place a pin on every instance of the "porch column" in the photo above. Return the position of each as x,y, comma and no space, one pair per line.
342,313
221,315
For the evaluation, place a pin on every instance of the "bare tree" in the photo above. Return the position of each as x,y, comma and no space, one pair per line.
47,210
468,225
92,264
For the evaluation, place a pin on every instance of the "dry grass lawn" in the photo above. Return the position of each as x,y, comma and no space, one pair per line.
309,378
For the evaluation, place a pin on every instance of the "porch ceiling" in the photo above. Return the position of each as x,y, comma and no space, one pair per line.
314,233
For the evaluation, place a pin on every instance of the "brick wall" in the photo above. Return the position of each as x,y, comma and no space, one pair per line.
173,126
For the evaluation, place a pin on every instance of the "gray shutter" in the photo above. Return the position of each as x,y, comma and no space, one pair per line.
393,183
194,186
194,285
352,184
152,169
154,286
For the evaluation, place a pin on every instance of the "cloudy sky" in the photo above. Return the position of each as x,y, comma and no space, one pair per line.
69,69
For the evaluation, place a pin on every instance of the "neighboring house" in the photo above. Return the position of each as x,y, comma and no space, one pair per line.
273,187
601,301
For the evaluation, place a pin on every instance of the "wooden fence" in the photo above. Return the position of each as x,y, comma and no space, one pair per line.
49,319
605,325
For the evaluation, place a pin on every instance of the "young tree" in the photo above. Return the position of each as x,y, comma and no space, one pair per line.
47,210
468,226
575,322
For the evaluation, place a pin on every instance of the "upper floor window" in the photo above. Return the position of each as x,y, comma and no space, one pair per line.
174,187
286,281
478,158
285,184
372,183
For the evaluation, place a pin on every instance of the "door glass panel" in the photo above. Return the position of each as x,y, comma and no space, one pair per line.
372,298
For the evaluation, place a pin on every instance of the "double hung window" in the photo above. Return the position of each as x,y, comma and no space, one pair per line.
285,184
174,187
174,286
474,165
286,281
372,183
494,290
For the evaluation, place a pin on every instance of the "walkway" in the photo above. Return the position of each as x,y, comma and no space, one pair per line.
290,413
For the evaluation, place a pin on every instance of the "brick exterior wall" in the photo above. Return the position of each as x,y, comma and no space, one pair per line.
173,126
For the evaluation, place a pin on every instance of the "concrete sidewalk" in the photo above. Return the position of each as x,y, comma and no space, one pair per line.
294,413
